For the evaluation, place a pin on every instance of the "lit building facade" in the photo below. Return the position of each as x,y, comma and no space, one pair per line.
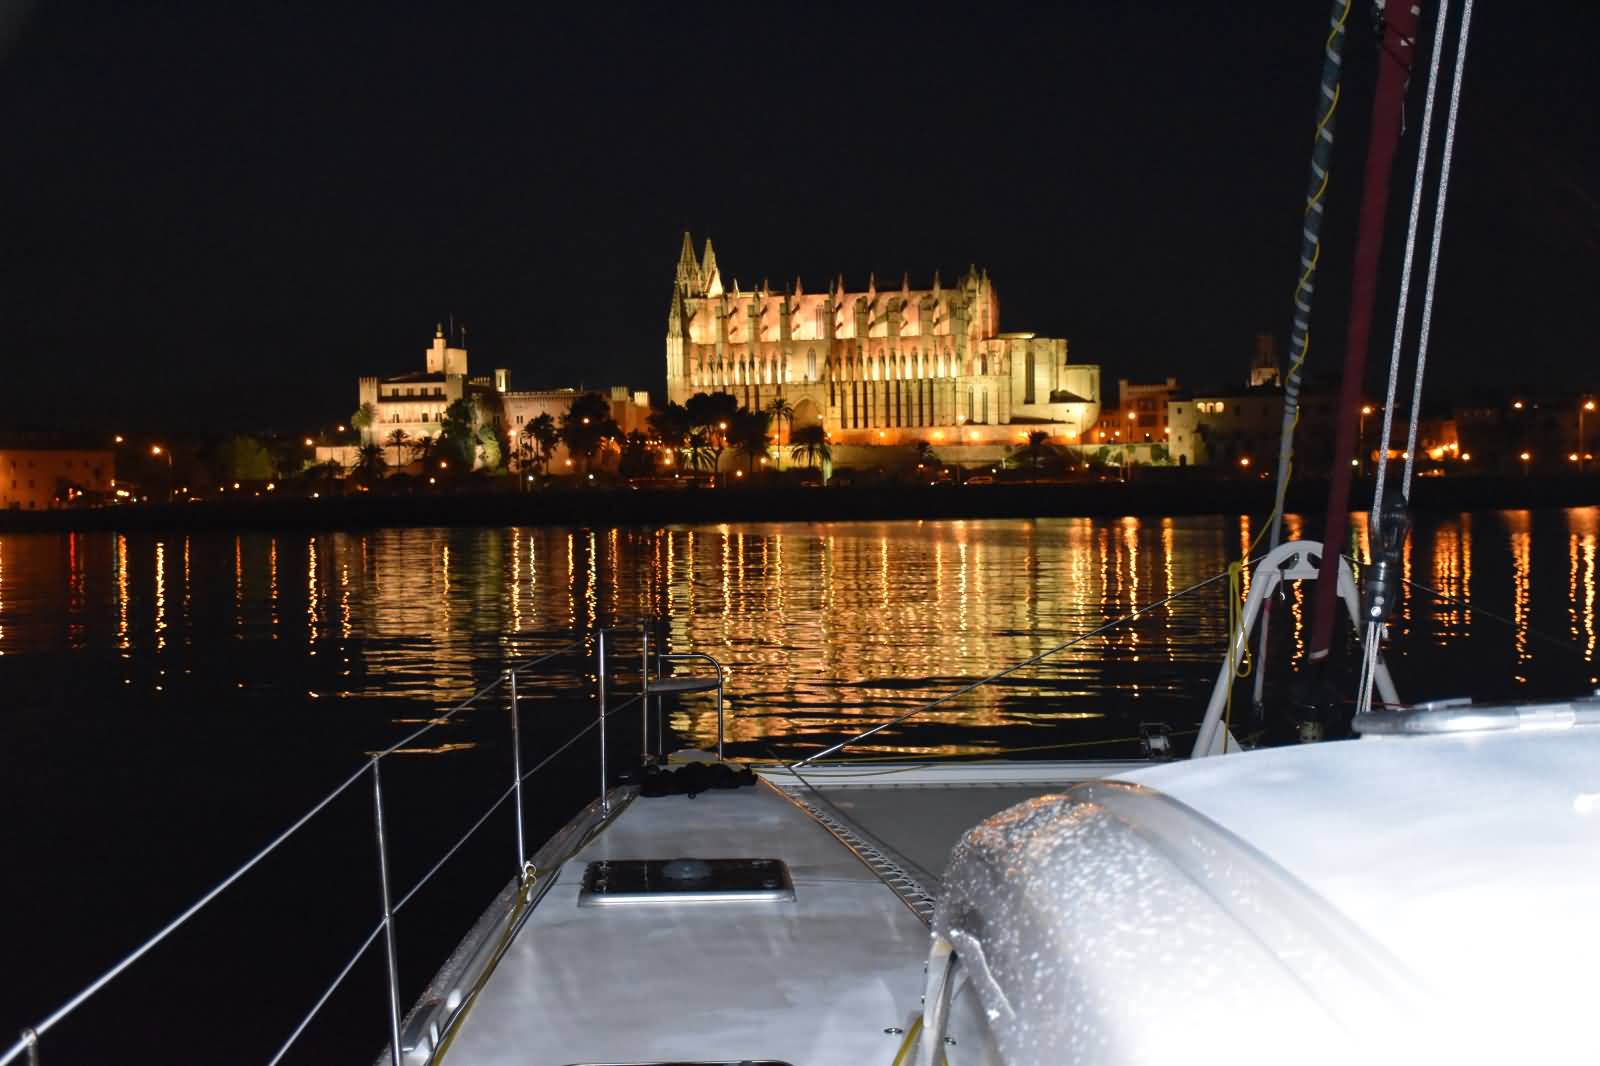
1242,427
414,404
875,366
41,477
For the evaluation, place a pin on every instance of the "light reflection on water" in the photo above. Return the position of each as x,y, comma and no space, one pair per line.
824,628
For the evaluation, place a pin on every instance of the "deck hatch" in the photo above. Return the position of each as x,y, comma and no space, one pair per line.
610,882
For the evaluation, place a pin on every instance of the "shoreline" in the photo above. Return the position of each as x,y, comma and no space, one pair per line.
615,506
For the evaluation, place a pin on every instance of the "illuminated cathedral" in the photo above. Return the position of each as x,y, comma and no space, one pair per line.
875,366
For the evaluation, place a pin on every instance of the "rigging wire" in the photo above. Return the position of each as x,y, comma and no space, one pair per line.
1374,628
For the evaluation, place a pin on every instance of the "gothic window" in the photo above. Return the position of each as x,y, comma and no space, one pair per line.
811,364
822,322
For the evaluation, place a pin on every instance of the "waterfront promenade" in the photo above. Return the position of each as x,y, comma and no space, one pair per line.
625,506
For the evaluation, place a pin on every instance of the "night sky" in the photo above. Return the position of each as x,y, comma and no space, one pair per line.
217,215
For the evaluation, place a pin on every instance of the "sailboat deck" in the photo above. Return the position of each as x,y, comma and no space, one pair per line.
818,979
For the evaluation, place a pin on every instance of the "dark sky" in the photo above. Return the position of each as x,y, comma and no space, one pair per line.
219,214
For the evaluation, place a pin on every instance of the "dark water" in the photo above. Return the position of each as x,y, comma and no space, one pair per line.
170,702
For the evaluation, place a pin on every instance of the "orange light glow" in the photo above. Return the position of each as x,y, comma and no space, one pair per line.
1516,405
1525,456
1466,457
1366,408
118,438
155,449
1244,460
308,442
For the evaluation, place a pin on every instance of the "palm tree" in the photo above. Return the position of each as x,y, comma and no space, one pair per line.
546,436
364,418
811,444
370,462
781,411
751,434
397,440
699,454
423,449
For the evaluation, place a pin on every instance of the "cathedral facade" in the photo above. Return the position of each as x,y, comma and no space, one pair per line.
875,366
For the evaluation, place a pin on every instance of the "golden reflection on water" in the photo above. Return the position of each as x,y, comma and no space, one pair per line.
1582,523
123,641
161,595
824,627
1521,538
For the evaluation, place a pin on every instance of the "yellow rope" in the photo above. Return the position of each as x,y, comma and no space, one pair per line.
910,1041
1236,570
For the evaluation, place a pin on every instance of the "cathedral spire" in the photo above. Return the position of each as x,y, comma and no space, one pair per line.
710,276
688,267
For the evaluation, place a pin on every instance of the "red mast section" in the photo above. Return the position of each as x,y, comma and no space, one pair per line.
1396,53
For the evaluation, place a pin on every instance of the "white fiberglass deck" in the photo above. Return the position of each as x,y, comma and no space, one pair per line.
811,982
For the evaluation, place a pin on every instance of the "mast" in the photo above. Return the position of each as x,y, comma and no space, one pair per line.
1396,52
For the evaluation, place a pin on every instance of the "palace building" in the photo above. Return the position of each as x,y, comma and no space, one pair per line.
875,366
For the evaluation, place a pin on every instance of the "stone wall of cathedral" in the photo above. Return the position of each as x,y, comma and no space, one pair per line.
875,366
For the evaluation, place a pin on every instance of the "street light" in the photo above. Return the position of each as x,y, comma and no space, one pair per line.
1587,405
1366,409
1525,457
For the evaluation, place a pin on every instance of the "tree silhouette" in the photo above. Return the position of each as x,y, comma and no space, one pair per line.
370,463
751,433
397,440
781,411
811,444
1038,440
546,435
588,424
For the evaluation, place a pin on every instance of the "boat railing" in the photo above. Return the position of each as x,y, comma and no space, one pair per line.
371,773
